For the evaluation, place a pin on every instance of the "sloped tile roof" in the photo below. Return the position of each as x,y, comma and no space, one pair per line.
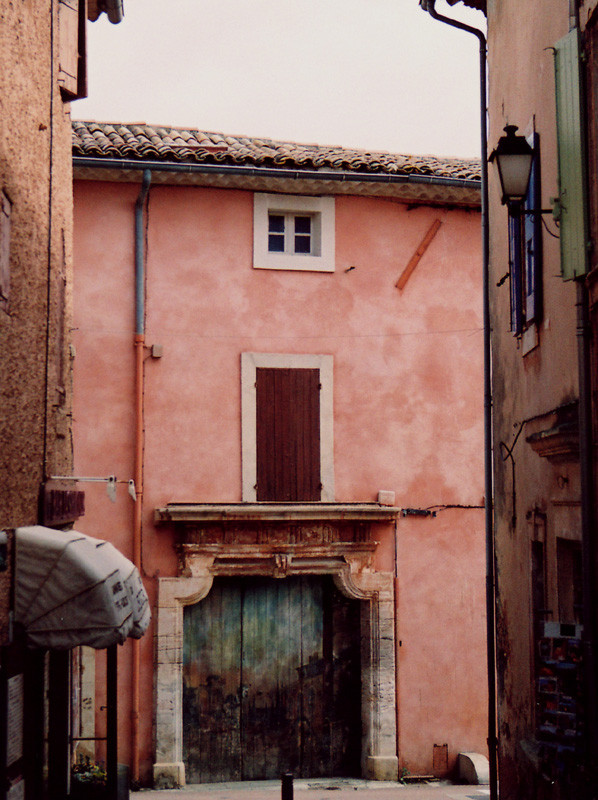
141,142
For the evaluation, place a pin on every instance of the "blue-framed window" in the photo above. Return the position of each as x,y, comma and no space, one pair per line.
533,240
525,253
516,274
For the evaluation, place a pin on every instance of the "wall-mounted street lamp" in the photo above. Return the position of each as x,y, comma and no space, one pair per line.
513,156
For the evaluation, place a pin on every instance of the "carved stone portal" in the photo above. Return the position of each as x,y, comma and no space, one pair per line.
280,550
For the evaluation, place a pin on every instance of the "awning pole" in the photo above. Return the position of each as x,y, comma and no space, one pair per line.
112,721
59,697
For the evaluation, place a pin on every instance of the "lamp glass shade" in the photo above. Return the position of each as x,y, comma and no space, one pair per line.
514,170
513,156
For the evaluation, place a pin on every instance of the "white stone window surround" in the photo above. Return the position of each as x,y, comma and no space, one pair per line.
320,209
249,363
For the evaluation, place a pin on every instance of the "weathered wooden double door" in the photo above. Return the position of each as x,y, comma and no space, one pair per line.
271,681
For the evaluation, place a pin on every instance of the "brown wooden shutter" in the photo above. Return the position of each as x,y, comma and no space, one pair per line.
5,214
288,434
68,45
72,67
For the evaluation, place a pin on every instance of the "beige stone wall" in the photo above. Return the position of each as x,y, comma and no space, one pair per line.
35,174
537,497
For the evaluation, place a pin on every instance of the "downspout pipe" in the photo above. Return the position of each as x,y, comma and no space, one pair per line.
588,492
139,254
397,644
428,5
49,252
139,345
588,520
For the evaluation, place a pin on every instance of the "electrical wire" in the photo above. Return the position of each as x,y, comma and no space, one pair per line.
554,235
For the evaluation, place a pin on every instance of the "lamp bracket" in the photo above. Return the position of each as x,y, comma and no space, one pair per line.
556,207
516,210
110,482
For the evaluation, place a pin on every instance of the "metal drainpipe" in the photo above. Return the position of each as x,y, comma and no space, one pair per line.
139,344
587,526
397,645
49,248
588,498
428,5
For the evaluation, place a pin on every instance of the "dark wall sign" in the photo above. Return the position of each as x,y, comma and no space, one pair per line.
60,503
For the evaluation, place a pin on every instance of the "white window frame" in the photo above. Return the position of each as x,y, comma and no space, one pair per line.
250,362
321,211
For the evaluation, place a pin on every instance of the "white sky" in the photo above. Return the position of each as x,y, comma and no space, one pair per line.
373,74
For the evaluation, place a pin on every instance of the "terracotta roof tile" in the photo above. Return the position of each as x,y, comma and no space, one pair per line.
141,142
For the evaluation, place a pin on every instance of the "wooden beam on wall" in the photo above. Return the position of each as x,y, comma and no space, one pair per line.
417,256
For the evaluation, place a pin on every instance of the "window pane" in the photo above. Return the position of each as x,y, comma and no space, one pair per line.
276,223
303,225
302,244
303,234
276,243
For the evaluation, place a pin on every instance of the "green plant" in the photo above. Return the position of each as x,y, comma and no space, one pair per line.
403,774
86,771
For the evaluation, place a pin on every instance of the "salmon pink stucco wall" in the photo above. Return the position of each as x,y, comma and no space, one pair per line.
407,386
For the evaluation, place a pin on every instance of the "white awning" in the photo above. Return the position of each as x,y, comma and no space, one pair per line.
71,589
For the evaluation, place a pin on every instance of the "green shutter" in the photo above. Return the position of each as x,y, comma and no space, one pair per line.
570,138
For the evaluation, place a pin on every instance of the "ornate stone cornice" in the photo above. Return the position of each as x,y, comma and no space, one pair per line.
190,513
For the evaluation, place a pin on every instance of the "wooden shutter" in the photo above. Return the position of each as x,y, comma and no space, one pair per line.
5,214
68,45
288,434
515,274
532,244
571,157
72,58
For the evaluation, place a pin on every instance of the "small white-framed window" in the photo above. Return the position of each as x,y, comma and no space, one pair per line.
293,232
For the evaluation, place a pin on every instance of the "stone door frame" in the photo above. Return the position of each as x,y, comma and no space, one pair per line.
353,577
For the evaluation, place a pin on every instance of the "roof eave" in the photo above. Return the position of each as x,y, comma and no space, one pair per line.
410,188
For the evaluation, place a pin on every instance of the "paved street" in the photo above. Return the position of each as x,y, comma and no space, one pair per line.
336,789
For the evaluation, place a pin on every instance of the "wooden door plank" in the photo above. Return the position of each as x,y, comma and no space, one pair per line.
345,719
312,673
293,678
269,665
271,681
211,707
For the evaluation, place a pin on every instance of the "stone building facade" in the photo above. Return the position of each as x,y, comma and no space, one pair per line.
42,69
218,279
542,79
